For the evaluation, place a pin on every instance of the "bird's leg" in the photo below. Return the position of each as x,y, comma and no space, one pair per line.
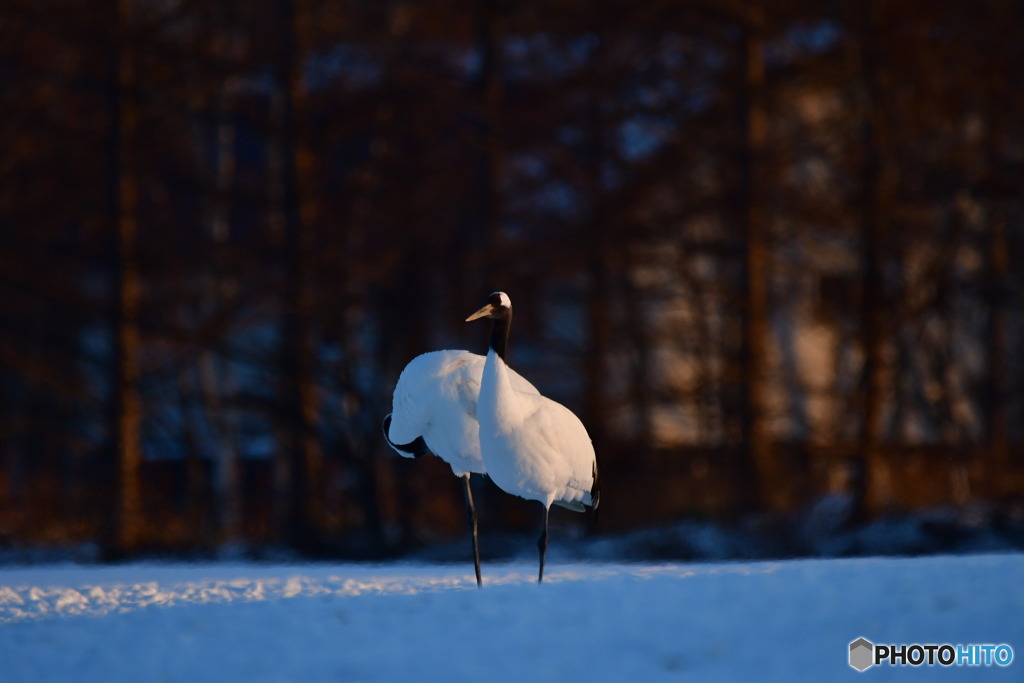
542,545
471,518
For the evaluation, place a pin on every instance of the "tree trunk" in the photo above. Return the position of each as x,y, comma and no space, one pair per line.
879,488
996,394
637,328
216,376
596,349
756,449
491,154
595,235
195,503
300,447
216,382
125,523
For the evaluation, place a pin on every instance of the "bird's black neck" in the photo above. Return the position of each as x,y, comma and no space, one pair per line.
499,334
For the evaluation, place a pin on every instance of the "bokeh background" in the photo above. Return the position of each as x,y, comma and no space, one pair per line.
770,252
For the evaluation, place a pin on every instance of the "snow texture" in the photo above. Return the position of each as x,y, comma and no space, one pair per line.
764,621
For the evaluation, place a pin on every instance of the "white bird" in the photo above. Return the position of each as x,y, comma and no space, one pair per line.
433,410
532,447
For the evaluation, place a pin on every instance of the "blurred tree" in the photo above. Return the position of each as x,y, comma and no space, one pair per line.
491,142
126,522
749,243
871,39
300,451
751,109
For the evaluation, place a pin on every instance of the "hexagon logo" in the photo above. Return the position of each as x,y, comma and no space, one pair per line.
862,654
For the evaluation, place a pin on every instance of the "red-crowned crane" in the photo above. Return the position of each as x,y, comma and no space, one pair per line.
433,410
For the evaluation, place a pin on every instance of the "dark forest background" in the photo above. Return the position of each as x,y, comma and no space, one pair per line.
770,252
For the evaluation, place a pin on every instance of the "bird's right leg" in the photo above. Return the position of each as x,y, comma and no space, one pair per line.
471,518
542,545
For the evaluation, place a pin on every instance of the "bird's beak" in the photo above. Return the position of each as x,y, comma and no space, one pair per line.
482,313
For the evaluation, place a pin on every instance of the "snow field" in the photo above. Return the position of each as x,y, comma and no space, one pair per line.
784,621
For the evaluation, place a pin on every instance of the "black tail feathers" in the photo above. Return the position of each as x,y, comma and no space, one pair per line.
414,449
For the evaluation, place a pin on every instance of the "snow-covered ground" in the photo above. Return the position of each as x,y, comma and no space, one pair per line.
781,621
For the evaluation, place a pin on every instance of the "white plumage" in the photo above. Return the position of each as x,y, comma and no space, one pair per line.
532,447
436,400
433,410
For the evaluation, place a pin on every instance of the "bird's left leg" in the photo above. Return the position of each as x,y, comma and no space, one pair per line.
471,518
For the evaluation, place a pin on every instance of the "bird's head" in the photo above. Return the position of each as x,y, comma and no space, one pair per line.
498,306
